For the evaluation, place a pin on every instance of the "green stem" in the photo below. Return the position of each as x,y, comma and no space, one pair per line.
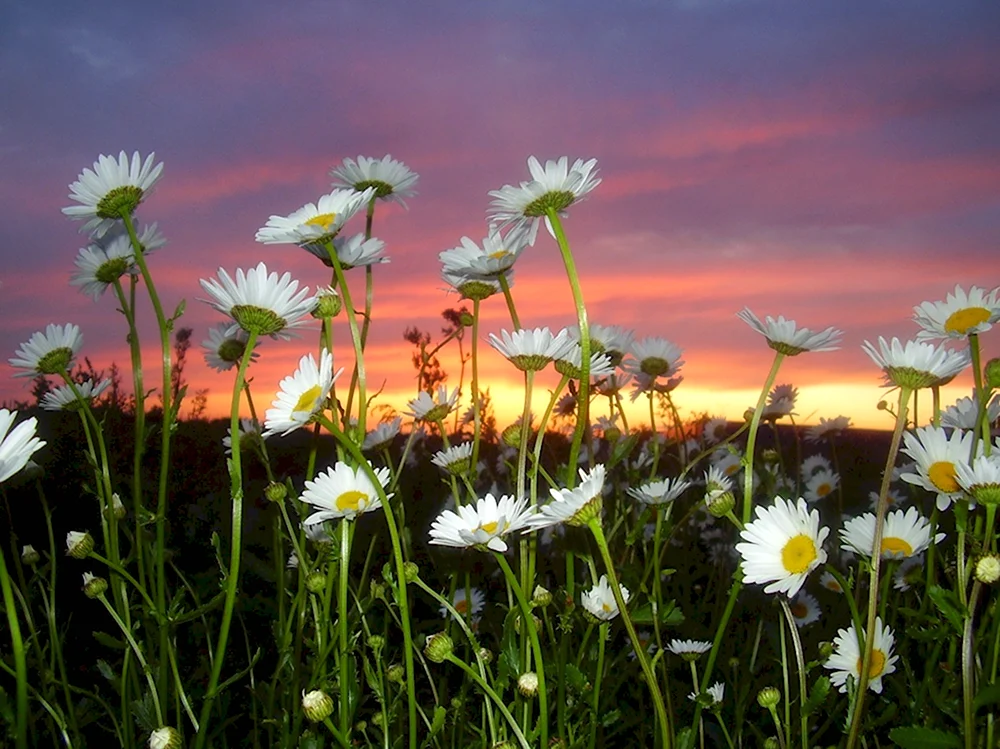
602,637
505,287
344,676
138,654
20,661
793,630
752,436
493,696
352,323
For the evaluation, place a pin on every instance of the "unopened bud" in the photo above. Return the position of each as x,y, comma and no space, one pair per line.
376,643
486,656
612,434
527,684
466,318
826,649
94,586
316,582
395,673
768,697
377,590
317,705
720,504
29,556
988,569
276,492
991,374
511,436
411,572
438,647
771,743
770,456
541,597
165,738
748,415
79,545
328,304
117,508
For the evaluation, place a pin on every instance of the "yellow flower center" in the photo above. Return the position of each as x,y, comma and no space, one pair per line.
323,220
798,554
896,546
351,500
307,401
942,475
823,489
731,469
499,254
877,664
462,606
799,610
606,608
964,320
490,527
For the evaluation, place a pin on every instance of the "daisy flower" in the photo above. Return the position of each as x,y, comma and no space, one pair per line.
468,607
17,445
314,223
63,398
804,608
425,408
727,463
249,433
916,365
689,649
455,460
964,414
909,571
490,260
982,480
961,314
846,659
780,402
892,499
382,435
827,428
904,534
782,546
828,581
301,395
821,484
100,265
482,526
387,178
645,384
111,190
654,357
352,252
600,601
814,464
554,187
343,492
261,302
715,694
937,456
48,353
659,492
573,506
476,289
717,483
532,350
224,347
570,363
612,384
714,430
613,340
785,337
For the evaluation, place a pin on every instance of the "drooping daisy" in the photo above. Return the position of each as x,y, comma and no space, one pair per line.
612,384
827,428
782,545
111,190
98,265
904,534
224,347
343,492
820,485
427,408
688,648
654,357
846,659
301,395
63,398
573,506
982,480
483,525
915,364
352,252
785,337
937,455
467,606
314,223
570,363
382,435
964,413
554,187
644,385
813,465
909,571
17,445
532,350
715,694
388,178
717,483
455,460
613,340
476,289
600,601
261,302
48,353
660,492
250,432
961,314
805,609
489,260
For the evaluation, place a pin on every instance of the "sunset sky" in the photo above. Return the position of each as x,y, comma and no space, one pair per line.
833,162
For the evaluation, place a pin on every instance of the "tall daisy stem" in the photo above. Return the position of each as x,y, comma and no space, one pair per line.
800,663
20,660
637,646
752,436
876,560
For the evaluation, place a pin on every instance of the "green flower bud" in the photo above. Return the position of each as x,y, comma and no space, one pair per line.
991,374
316,582
988,569
486,656
438,647
29,556
720,504
94,586
396,673
410,572
117,509
377,590
465,317
768,697
541,597
317,705
328,304
79,545
165,738
376,643
826,650
276,492
527,684
771,743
